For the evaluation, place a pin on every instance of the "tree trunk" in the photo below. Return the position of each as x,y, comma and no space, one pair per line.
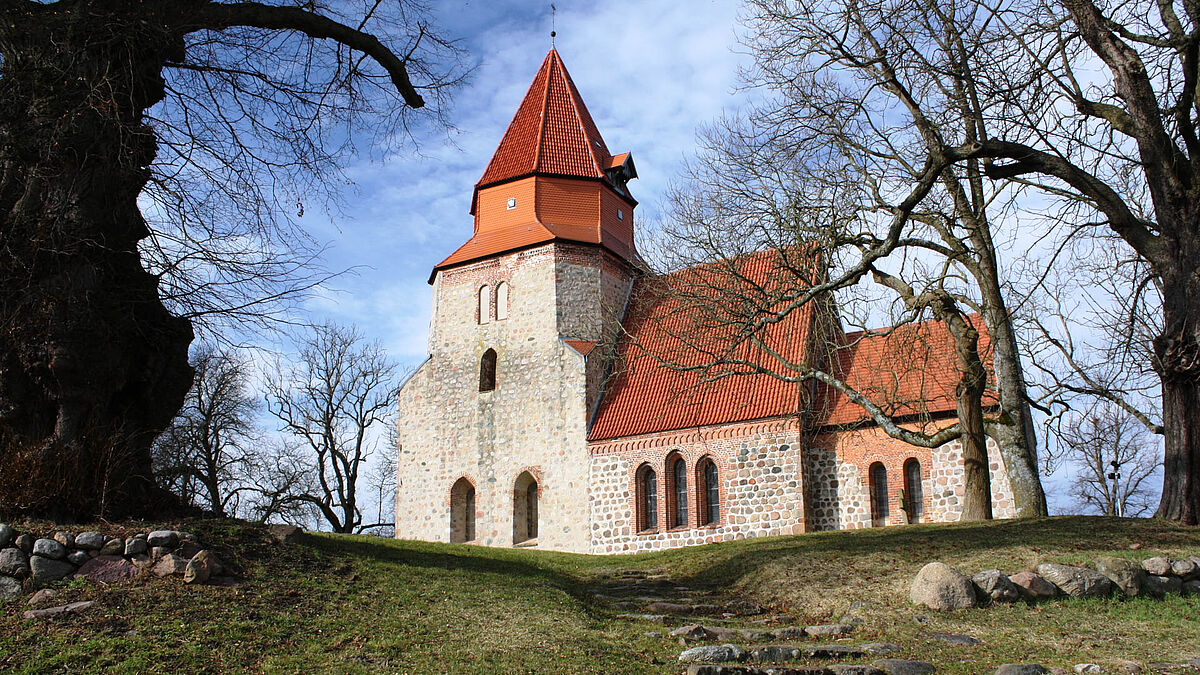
1177,359
977,501
92,366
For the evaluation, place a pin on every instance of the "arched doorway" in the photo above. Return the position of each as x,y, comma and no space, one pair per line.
462,511
878,487
525,508
914,495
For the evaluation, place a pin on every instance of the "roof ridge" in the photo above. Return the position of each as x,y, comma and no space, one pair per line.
541,137
572,96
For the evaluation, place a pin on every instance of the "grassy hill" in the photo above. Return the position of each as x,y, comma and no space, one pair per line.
361,604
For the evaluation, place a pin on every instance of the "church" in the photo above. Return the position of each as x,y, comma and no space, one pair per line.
543,418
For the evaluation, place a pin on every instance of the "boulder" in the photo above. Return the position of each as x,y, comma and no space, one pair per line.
163,538
65,538
1184,568
135,546
1033,587
691,631
14,563
188,549
1158,586
113,546
199,568
1090,667
790,633
995,586
940,586
829,630
1126,575
43,569
1021,669
285,534
89,541
170,565
44,596
853,669
711,653
106,569
49,548
78,557
1158,566
1077,582
157,552
904,667
833,652
10,587
24,542
7,534
1192,587
73,608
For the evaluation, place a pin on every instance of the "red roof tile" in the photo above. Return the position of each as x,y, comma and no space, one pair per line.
678,323
674,324
552,132
908,370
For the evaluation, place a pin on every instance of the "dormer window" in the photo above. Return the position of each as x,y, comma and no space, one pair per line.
512,203
620,214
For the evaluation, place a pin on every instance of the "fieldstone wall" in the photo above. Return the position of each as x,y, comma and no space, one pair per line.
29,561
535,419
837,465
761,485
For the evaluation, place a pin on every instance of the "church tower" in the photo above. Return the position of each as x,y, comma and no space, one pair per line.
493,426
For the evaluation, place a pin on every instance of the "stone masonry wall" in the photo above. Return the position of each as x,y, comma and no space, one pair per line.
533,421
761,485
837,466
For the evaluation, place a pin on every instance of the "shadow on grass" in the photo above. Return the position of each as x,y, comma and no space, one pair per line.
1058,537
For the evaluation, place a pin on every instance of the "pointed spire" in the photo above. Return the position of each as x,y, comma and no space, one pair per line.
551,134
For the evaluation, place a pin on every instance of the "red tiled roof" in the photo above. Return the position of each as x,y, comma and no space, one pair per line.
552,132
584,347
681,321
909,370
689,318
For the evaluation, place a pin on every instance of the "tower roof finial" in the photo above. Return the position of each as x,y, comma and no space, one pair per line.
553,16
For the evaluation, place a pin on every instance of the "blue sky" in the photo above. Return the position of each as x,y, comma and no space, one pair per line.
649,72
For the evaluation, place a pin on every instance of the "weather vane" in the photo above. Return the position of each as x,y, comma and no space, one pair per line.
553,14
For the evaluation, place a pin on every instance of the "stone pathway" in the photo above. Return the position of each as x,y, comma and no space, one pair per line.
749,641
727,635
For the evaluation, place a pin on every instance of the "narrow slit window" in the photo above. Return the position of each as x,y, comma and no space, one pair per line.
680,491
487,371
485,304
710,492
502,301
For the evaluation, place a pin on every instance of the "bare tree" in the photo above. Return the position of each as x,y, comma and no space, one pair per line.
1119,149
282,469
207,451
870,105
382,481
226,117
332,401
1115,460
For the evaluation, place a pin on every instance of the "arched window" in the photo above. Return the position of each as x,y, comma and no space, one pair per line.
709,490
487,371
914,495
485,304
877,476
647,499
462,511
502,301
679,492
525,508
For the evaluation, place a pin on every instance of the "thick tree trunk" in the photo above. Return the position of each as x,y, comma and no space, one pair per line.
1177,356
1015,433
92,366
977,502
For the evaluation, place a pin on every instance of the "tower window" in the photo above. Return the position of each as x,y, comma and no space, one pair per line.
487,371
512,203
502,301
485,304
620,214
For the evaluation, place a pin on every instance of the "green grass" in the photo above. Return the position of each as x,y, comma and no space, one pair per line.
360,604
